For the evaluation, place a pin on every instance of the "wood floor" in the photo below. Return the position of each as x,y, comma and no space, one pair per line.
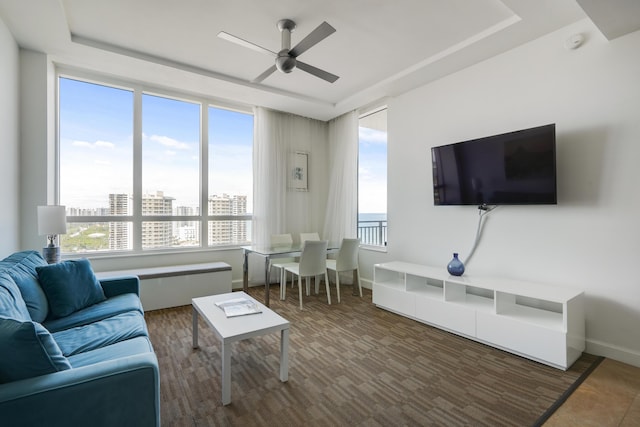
350,364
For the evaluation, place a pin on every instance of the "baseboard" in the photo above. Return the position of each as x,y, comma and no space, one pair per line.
614,352
236,285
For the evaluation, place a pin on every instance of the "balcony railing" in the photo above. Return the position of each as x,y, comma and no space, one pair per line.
373,232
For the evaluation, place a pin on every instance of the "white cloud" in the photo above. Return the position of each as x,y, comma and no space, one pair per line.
169,142
97,144
104,144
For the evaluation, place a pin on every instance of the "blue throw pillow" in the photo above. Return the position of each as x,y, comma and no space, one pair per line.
70,286
28,351
22,269
11,303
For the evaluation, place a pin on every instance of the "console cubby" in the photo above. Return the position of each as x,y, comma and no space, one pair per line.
541,322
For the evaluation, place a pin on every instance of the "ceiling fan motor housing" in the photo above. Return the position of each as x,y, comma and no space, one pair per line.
284,62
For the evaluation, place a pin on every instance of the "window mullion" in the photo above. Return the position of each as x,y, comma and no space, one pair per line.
204,175
137,170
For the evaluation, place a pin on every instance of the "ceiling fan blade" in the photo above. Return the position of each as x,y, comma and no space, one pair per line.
317,72
242,42
264,75
321,32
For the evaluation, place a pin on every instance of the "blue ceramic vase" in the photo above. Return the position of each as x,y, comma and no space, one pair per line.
455,266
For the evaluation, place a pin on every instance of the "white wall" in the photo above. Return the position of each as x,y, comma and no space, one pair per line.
9,142
591,239
37,143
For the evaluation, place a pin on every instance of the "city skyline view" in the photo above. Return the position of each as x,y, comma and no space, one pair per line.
96,147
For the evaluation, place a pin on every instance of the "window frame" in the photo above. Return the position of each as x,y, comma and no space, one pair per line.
363,113
137,218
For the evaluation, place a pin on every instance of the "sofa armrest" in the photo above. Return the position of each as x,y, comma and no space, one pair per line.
119,392
113,286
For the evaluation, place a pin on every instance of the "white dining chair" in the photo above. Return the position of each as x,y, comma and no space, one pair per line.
313,263
281,241
347,260
283,279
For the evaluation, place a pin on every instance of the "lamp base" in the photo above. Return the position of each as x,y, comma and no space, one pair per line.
51,255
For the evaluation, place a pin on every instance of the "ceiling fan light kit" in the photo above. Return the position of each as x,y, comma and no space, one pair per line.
286,59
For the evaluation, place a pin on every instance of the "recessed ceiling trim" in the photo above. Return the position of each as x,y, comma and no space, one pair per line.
514,19
191,68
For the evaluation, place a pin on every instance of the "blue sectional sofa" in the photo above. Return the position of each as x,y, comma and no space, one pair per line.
73,350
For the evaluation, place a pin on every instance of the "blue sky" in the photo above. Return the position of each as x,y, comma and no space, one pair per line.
372,171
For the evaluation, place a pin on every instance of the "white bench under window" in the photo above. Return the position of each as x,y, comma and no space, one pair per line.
176,285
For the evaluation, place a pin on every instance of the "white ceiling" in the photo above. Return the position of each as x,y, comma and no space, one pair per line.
381,48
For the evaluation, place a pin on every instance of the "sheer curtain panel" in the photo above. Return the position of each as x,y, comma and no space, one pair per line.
278,209
342,202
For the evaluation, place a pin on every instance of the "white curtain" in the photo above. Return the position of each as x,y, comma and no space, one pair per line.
276,208
270,176
342,202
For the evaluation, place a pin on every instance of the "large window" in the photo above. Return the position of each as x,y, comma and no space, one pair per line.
372,178
172,173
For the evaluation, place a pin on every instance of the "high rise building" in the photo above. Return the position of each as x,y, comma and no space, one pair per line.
227,231
157,234
120,233
187,232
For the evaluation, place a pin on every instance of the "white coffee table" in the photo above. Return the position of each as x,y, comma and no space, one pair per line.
231,329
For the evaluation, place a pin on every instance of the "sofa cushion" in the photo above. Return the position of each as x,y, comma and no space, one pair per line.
22,268
11,303
102,310
100,334
127,348
70,286
28,351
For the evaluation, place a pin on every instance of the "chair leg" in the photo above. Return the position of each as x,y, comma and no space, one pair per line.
283,284
317,284
357,270
338,285
326,281
300,290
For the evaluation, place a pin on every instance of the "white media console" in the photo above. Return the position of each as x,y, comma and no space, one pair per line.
537,321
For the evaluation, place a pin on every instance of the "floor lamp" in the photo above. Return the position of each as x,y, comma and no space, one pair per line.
52,221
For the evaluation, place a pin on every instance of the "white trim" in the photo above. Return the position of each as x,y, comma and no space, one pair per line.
611,351
80,74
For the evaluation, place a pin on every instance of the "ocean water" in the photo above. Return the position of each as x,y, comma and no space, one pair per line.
372,216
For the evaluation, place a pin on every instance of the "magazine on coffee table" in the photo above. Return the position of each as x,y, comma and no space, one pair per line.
239,307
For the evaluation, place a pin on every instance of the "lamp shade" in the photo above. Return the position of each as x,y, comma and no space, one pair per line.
52,220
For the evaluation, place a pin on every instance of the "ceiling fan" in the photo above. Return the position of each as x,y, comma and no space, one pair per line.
287,58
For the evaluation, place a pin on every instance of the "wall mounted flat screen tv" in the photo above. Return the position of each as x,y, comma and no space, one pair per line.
515,168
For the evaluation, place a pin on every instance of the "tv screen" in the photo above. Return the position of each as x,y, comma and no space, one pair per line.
515,168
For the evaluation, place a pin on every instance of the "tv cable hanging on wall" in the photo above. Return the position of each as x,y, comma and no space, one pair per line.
483,210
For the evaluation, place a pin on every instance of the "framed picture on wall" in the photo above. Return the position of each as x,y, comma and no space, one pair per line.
299,171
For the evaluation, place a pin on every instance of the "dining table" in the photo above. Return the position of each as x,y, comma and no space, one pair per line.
269,253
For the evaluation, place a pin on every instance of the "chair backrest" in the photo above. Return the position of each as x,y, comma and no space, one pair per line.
279,240
313,259
348,255
308,236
